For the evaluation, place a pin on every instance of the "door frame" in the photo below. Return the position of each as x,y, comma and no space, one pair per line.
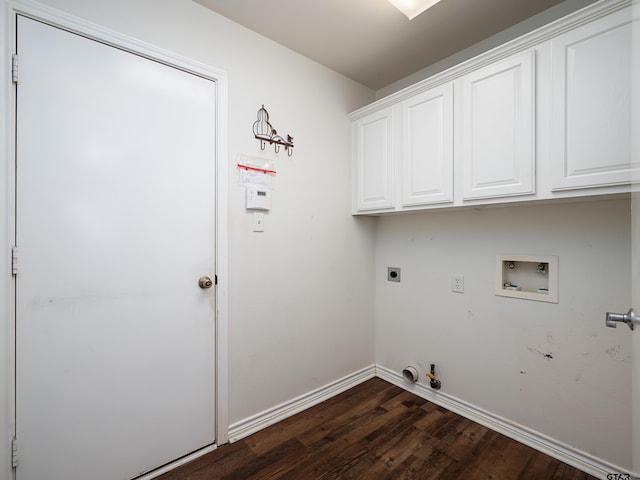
11,9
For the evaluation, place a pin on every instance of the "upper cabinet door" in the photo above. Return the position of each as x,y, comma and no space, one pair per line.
427,147
591,108
498,132
374,144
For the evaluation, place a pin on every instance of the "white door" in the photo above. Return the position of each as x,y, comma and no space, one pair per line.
115,225
635,299
635,239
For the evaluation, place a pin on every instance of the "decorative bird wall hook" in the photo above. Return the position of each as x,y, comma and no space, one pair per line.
264,131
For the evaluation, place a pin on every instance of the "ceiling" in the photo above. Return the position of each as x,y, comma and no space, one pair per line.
370,41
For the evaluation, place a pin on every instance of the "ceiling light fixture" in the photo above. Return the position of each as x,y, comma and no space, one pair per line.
413,8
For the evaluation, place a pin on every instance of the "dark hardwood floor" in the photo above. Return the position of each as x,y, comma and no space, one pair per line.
376,431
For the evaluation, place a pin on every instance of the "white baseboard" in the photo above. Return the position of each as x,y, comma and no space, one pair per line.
177,463
276,414
578,459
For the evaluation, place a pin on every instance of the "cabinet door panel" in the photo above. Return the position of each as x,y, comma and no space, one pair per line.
427,142
498,136
374,144
591,123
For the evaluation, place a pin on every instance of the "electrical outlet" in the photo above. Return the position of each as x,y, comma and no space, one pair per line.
457,283
393,274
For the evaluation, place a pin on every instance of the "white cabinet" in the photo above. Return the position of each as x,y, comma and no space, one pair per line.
591,109
374,150
547,116
427,147
405,151
498,133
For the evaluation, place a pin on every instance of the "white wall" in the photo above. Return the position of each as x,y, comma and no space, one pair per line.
301,293
489,350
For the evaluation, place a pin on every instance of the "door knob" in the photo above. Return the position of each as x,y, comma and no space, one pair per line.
630,318
205,282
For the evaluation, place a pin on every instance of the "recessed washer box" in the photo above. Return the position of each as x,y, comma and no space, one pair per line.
530,277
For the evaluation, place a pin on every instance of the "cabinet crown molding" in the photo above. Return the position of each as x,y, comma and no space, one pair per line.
585,15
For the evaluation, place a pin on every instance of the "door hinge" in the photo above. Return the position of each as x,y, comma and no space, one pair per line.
14,261
14,452
14,68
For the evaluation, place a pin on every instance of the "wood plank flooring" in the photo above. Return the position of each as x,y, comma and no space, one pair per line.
376,431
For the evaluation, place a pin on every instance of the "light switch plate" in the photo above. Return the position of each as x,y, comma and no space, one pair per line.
258,222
